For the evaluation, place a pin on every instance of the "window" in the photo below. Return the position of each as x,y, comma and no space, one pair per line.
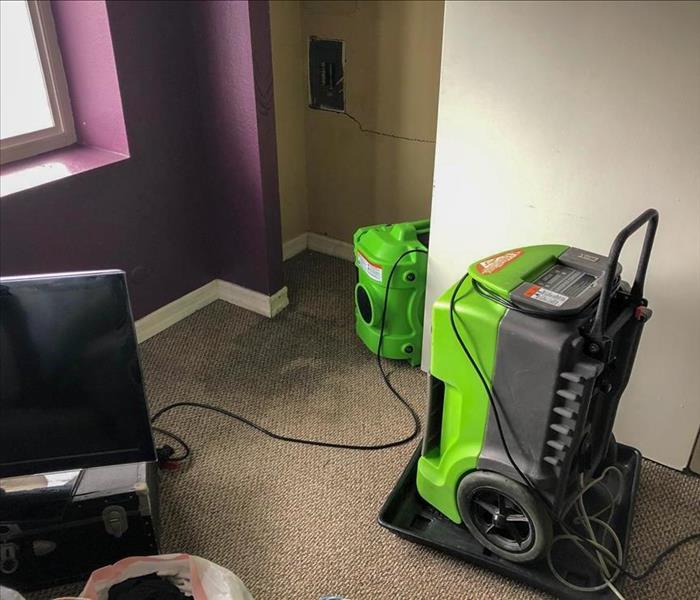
35,111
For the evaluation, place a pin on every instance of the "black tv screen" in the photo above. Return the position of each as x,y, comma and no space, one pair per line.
71,390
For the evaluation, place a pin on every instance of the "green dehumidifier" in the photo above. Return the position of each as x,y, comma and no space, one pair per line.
519,470
391,265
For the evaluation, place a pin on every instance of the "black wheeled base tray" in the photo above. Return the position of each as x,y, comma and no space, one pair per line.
408,515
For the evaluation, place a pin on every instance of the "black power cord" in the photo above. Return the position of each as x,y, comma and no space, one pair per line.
489,392
659,558
311,442
385,377
489,295
495,406
165,453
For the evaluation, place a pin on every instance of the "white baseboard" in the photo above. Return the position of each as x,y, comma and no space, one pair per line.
218,289
317,243
295,246
330,246
175,311
260,303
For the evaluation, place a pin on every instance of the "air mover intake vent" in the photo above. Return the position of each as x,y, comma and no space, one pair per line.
433,429
364,304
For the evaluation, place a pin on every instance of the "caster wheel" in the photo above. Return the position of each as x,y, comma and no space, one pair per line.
504,516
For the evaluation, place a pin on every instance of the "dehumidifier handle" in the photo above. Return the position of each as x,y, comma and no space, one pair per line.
650,216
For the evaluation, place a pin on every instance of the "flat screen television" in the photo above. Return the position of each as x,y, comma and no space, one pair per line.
71,389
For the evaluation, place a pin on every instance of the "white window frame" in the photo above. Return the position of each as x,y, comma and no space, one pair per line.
63,132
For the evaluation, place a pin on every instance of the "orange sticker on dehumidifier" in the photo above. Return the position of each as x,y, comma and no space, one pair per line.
492,264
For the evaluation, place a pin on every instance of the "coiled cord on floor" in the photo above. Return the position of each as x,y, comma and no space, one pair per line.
311,442
586,520
185,448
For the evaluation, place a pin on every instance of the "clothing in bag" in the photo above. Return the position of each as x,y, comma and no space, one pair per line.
148,587
196,577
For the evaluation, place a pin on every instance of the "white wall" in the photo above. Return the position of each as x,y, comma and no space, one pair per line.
560,122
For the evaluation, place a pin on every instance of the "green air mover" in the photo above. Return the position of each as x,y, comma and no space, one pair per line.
530,353
377,250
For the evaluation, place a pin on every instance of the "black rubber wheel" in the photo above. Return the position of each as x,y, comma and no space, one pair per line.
504,516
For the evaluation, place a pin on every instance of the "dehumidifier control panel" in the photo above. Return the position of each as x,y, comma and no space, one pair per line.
566,287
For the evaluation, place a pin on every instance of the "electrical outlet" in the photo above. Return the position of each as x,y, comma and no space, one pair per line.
326,74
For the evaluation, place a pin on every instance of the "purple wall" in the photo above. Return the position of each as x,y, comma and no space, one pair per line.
88,60
153,214
267,137
232,41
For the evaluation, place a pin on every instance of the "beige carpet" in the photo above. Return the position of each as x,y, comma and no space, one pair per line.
298,522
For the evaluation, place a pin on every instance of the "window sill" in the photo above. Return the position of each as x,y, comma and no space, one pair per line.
52,166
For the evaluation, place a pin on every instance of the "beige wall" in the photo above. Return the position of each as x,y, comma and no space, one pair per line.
392,71
288,64
560,123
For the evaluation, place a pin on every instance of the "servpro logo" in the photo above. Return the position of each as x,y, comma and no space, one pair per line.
495,263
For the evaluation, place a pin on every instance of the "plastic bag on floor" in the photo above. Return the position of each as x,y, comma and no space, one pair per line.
8,594
195,576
